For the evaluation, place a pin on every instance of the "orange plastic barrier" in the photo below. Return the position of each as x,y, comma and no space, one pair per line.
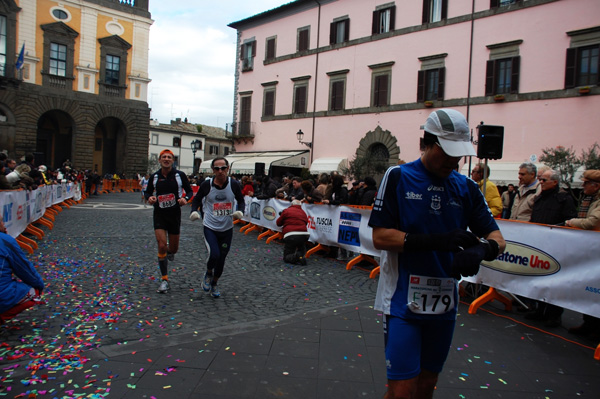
489,296
31,229
24,245
28,241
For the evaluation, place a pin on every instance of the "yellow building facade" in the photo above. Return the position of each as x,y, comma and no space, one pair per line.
74,82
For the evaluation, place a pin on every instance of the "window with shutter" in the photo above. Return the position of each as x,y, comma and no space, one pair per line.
269,103
381,90
245,115
270,52
339,31
303,39
337,95
434,10
300,93
502,76
430,84
384,20
247,56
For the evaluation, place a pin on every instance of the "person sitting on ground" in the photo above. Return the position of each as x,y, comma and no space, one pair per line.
15,295
295,234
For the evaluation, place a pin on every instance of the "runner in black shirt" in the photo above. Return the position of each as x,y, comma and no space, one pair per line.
168,190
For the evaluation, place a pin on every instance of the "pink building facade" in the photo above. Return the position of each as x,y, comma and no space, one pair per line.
360,76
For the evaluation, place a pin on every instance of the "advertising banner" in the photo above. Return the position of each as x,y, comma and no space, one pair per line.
21,207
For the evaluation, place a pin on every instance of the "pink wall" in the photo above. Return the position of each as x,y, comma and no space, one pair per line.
530,124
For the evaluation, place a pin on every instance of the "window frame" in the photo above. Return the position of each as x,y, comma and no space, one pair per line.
270,48
58,33
154,139
492,78
377,95
298,88
113,73
245,121
301,44
499,3
376,28
247,55
333,30
427,10
116,47
573,67
423,84
337,101
269,98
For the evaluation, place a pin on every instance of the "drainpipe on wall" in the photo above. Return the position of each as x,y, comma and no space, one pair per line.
312,149
470,72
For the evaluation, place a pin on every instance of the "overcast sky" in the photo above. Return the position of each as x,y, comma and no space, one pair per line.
192,58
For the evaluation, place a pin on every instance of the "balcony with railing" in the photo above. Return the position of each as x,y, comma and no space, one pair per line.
57,81
241,131
112,90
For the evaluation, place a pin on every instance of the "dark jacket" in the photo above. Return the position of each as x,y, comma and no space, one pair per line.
293,219
553,207
267,189
368,196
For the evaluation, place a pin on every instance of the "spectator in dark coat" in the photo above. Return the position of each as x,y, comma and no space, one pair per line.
311,195
369,192
339,193
552,206
268,188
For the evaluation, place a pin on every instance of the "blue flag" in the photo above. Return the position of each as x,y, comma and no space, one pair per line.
21,58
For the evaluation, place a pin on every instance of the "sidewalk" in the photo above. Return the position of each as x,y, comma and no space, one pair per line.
277,332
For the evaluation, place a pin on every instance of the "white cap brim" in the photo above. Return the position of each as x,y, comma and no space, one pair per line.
457,148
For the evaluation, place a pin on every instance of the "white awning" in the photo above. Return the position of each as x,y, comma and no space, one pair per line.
505,173
292,159
231,158
326,165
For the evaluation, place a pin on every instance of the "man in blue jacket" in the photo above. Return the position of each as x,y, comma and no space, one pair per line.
16,296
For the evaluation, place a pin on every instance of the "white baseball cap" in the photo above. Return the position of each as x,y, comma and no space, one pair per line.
452,131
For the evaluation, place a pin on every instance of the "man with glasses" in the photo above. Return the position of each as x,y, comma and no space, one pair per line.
420,219
529,188
168,190
492,195
220,201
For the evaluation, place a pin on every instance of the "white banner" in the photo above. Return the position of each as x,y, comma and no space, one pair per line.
331,225
553,264
20,208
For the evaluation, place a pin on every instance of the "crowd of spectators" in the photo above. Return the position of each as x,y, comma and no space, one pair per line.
25,174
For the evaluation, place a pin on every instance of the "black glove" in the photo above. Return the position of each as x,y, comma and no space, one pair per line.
466,263
454,241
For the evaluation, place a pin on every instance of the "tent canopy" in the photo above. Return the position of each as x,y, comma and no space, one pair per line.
326,165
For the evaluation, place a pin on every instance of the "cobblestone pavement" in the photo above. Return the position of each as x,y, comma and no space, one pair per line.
278,330
99,263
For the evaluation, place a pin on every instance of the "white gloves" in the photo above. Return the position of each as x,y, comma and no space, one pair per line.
237,215
194,216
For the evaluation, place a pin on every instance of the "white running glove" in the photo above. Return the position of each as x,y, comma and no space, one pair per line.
194,216
237,215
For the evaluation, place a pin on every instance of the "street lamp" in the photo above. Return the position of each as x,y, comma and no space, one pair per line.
196,145
300,136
